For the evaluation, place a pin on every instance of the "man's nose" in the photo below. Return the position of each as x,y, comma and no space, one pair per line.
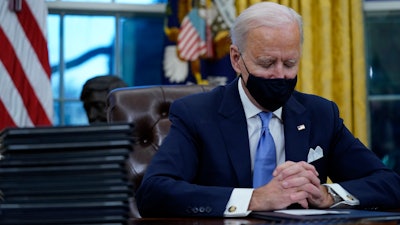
279,71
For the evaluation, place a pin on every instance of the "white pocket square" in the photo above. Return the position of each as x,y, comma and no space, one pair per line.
314,155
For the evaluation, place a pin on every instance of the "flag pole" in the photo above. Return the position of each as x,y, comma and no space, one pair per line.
15,5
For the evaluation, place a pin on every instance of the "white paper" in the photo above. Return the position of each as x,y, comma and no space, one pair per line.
309,212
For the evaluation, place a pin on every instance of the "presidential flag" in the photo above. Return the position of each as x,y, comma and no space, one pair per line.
25,88
197,42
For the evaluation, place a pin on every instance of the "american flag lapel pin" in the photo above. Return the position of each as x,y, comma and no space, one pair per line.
301,127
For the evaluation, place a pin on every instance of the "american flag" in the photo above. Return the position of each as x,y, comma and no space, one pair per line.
192,36
25,89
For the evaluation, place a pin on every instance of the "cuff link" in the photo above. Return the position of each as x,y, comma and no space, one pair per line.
232,209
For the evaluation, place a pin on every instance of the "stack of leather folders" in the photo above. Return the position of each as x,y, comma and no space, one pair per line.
1,191
65,175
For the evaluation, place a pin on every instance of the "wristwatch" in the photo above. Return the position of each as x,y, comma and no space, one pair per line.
335,196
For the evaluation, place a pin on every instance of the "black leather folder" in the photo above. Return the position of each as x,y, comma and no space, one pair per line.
66,175
346,216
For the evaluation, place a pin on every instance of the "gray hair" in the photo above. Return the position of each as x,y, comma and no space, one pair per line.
267,14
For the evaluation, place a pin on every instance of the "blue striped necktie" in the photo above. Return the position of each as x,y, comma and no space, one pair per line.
265,160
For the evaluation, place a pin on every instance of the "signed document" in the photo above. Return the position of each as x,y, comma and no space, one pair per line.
310,212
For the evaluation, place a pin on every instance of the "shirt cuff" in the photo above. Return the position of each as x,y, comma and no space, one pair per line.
238,203
348,199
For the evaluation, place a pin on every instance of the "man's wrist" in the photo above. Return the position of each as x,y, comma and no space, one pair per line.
346,200
334,196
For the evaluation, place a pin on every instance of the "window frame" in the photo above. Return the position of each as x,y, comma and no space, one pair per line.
117,10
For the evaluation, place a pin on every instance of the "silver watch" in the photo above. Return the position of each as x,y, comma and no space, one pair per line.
335,196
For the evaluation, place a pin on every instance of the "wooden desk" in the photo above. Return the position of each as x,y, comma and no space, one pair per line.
235,221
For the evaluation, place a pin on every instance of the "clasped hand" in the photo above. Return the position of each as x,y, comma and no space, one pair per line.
293,182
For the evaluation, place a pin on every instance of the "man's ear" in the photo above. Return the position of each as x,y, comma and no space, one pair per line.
235,57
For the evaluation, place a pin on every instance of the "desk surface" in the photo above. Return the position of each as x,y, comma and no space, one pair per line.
237,221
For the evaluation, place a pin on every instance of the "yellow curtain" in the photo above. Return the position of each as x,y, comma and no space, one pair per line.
333,58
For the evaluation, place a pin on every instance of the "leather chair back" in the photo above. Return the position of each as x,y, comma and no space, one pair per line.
147,108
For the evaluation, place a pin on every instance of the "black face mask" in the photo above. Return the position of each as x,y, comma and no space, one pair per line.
270,93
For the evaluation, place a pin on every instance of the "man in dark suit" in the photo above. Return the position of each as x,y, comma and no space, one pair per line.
206,164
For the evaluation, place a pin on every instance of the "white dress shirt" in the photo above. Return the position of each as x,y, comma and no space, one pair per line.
240,198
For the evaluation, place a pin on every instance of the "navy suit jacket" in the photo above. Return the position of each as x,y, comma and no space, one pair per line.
206,154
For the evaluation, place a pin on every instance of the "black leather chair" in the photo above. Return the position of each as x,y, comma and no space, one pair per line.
147,107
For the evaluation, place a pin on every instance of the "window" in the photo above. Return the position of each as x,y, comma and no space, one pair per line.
382,29
90,39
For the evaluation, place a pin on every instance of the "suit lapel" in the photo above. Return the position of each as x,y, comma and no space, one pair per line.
297,126
234,130
233,125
